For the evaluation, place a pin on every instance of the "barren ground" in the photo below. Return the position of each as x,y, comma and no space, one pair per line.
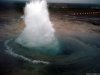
62,25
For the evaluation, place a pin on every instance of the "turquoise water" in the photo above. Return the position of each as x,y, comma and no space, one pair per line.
78,54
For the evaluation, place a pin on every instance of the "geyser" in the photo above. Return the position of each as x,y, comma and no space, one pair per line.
38,32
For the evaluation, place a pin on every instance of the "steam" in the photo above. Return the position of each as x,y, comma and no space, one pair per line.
39,31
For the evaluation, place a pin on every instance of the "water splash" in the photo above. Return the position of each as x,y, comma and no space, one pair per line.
10,51
39,31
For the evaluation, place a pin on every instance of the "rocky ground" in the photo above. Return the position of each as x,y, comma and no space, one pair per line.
63,25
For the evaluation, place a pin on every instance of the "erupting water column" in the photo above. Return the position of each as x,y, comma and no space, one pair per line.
38,32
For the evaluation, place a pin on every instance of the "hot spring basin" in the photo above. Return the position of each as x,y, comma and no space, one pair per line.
72,50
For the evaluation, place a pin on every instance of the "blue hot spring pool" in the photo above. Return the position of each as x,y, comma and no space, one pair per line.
77,54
